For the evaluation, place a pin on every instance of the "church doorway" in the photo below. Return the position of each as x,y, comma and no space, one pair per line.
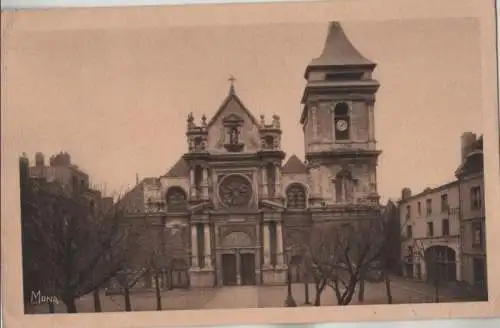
247,262
229,269
179,277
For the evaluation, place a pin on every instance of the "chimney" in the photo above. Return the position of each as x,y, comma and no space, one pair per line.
468,140
39,160
405,193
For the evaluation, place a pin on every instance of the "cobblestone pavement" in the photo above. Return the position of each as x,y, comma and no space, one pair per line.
403,291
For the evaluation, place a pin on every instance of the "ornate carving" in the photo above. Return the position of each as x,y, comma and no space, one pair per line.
235,191
221,140
237,239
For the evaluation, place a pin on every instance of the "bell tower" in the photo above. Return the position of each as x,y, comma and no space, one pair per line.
338,123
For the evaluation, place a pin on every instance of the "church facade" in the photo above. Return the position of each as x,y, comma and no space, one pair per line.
234,212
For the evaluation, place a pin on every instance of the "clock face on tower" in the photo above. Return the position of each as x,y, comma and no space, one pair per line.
235,191
341,125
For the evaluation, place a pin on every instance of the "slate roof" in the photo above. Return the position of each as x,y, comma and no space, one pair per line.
294,166
178,170
339,51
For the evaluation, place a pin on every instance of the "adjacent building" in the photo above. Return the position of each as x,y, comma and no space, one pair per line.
73,180
431,230
234,211
443,228
470,175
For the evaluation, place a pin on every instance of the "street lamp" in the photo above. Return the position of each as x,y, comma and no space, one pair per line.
306,281
290,302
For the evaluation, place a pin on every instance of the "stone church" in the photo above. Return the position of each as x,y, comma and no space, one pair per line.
234,212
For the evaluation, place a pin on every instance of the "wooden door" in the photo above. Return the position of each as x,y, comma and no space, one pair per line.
247,269
229,269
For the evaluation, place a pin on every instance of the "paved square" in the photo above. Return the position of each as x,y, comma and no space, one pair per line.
403,291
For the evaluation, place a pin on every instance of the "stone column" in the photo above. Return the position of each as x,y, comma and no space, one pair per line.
458,269
205,182
267,243
315,179
278,181
218,261
371,122
208,252
264,181
194,247
191,183
279,244
238,268
314,117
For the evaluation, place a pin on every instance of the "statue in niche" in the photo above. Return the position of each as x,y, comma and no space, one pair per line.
234,136
345,186
234,144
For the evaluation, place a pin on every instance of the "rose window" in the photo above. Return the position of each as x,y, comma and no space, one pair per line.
235,191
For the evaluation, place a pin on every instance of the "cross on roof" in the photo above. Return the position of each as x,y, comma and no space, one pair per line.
231,87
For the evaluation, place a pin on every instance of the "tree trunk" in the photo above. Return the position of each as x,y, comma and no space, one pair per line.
319,290
158,293
128,306
388,288
306,293
97,301
361,294
70,305
346,297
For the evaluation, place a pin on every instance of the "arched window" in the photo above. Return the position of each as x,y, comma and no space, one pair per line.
198,176
342,121
176,199
296,196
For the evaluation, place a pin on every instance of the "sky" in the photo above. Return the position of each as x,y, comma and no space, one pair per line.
117,99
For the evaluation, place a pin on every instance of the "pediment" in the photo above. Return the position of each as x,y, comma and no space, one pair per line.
232,108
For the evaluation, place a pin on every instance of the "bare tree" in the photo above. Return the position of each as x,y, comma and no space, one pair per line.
69,248
153,256
159,259
388,257
339,254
